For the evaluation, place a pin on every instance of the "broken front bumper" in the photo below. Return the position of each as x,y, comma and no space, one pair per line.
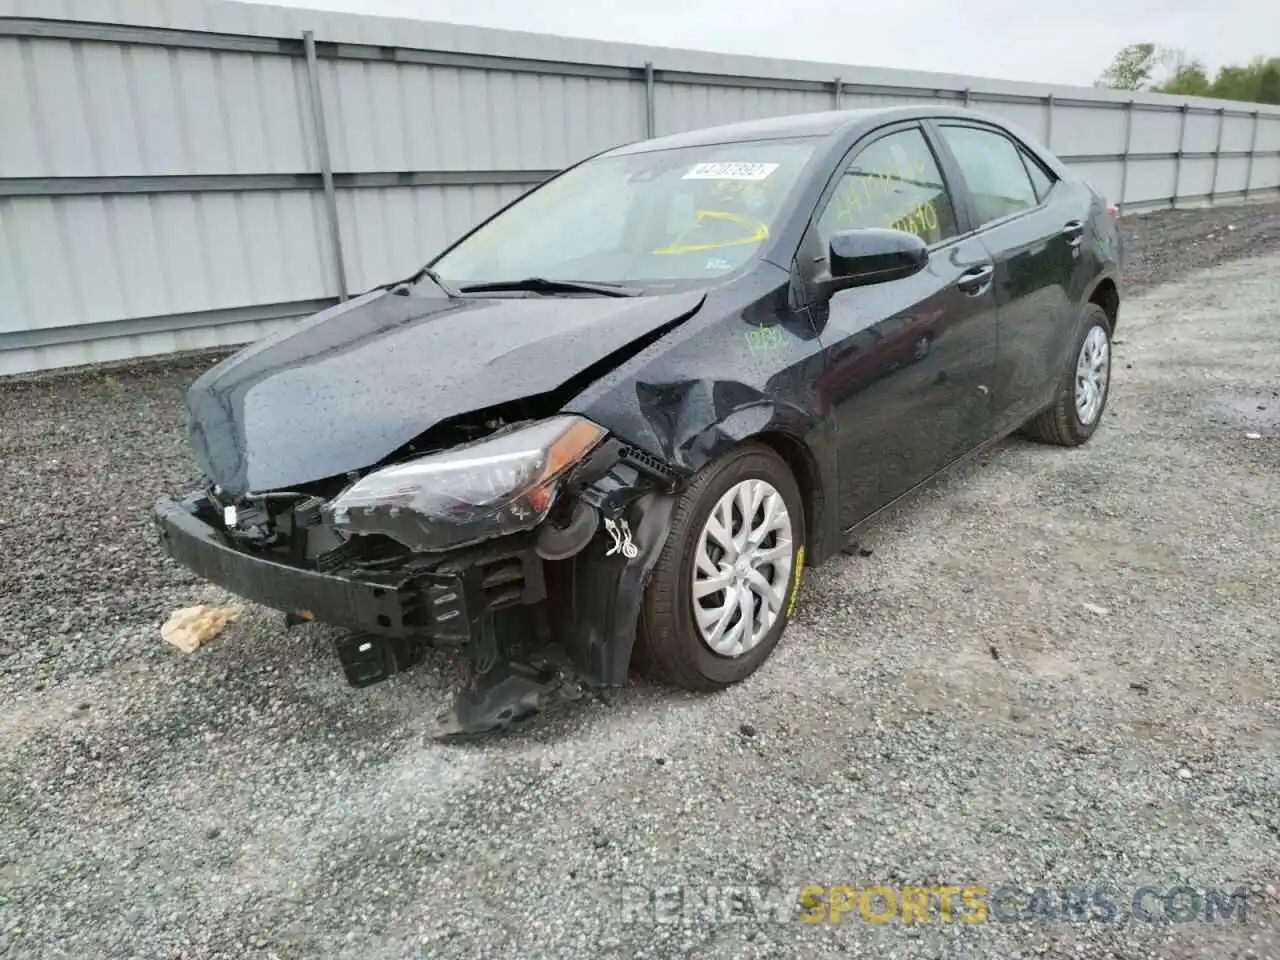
425,603
593,615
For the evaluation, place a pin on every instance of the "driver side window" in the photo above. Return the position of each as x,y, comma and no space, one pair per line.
893,182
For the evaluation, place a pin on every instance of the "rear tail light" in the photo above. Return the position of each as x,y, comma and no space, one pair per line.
1114,210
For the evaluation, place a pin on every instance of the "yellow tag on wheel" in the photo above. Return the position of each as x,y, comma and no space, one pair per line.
795,582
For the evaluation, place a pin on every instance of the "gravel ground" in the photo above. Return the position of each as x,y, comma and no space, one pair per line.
1056,667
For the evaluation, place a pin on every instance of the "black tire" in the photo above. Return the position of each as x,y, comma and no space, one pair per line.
669,645
1060,424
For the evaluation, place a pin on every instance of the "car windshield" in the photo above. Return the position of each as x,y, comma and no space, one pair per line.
685,214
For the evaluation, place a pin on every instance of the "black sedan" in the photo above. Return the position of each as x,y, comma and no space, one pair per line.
610,425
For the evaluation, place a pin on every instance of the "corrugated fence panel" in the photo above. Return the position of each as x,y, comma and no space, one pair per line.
1155,131
1031,117
1237,134
862,99
392,117
1104,175
1201,134
1088,131
1231,174
108,349
1269,136
681,106
1151,180
89,109
393,231
88,259
1266,176
1266,167
160,163
1197,177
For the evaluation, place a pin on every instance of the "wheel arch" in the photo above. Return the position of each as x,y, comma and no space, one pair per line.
801,438
813,493
1106,294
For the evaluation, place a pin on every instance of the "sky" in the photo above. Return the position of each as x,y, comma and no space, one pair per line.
1036,40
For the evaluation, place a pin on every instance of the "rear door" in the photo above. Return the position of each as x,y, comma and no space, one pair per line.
908,361
1029,225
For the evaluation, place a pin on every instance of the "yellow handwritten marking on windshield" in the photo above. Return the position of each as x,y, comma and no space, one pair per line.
759,232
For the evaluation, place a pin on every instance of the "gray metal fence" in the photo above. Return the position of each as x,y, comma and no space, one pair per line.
199,173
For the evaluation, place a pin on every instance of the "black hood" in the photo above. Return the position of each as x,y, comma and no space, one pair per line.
357,382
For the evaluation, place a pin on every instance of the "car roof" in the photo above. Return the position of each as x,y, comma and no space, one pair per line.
824,124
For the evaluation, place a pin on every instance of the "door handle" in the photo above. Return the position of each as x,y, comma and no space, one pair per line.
975,280
1073,230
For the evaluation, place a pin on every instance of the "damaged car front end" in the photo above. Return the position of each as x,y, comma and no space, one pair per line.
464,546
464,532
488,455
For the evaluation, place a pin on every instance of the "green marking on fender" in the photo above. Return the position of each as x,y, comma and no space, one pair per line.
764,339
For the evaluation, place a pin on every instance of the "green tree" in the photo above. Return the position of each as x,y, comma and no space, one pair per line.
1135,66
1132,68
1189,79
1259,82
1235,83
1269,82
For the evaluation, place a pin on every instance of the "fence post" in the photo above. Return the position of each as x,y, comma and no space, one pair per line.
1253,148
1124,158
1177,170
650,109
839,89
326,169
1048,121
967,92
1217,152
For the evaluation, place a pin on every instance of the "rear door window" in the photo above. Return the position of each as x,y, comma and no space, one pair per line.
993,170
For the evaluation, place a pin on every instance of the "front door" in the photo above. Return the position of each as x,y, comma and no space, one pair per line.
909,361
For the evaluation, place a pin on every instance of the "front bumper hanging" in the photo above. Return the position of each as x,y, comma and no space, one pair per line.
394,614
406,603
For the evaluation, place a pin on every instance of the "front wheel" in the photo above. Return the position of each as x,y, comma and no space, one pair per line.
724,587
1082,394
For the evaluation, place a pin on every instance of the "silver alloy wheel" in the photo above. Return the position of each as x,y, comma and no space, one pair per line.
1093,368
742,568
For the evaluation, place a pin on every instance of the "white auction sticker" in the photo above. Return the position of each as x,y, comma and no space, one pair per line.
730,171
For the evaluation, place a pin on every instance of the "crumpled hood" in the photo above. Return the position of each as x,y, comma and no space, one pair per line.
352,384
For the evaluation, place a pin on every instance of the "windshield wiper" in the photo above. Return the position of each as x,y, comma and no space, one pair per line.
446,288
443,285
543,285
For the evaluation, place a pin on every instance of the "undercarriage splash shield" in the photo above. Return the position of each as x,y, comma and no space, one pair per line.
507,684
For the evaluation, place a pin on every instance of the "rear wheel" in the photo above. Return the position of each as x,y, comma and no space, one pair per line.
1082,394
722,591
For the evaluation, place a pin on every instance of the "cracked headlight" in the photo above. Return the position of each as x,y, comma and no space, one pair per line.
500,485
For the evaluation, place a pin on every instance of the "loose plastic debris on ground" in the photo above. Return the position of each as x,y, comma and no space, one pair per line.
190,628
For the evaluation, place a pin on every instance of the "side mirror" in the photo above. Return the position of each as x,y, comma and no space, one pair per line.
873,255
